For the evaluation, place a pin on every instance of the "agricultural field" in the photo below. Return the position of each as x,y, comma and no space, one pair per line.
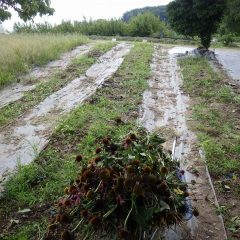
87,129
20,52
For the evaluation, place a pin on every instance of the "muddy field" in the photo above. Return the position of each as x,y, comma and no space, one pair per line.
165,109
23,140
165,106
16,91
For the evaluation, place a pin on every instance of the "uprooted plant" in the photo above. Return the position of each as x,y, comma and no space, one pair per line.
129,187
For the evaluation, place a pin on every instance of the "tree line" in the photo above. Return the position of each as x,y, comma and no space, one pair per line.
203,18
142,25
190,18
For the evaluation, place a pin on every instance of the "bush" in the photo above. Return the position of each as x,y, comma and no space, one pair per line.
227,39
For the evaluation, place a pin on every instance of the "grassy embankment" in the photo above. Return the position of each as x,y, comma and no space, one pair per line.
55,82
216,115
38,185
19,52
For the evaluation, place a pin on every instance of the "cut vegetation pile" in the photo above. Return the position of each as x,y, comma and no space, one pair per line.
20,52
129,187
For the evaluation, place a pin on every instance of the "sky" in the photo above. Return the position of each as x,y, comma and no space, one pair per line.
95,9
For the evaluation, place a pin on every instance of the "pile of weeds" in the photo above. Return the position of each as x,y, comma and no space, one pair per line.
129,187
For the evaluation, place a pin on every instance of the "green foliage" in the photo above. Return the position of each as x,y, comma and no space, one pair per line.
26,9
142,25
130,186
19,52
215,115
58,80
196,18
159,11
227,38
231,19
229,30
77,132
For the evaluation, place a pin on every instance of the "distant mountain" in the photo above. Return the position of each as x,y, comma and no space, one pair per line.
159,11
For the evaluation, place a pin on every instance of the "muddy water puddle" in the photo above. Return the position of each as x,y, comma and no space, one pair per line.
166,107
28,136
15,92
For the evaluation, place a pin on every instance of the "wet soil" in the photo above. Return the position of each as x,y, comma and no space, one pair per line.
166,110
28,82
22,141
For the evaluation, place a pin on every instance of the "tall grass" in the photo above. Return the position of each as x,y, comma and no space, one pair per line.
20,52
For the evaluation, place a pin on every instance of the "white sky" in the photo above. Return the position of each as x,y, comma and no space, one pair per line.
76,9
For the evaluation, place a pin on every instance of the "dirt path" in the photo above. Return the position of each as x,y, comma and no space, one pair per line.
165,109
16,91
22,141
230,60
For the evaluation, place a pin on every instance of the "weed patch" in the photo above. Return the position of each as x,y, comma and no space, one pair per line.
216,113
20,52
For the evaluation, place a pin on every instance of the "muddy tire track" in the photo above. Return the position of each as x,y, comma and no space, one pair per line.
166,110
16,91
27,137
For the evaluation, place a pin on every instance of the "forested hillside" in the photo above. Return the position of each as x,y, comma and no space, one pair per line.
159,11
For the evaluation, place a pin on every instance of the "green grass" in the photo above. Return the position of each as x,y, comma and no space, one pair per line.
215,112
20,52
42,182
59,80
215,109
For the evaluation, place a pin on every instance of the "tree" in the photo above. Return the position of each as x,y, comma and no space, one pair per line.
196,18
231,20
144,25
26,9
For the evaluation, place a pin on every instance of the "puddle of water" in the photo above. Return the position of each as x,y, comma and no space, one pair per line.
180,50
166,106
22,142
230,59
15,92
